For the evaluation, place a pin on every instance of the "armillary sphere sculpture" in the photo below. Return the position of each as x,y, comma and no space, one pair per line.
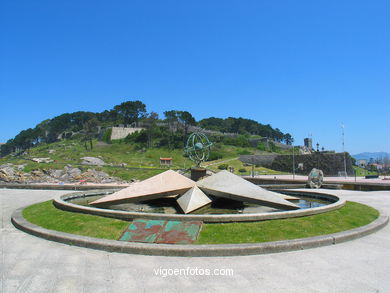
198,147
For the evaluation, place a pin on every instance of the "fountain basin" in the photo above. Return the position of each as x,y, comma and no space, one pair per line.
64,202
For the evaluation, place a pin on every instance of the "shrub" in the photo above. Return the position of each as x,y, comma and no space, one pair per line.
273,148
214,156
242,170
261,146
137,137
223,167
107,135
240,141
244,152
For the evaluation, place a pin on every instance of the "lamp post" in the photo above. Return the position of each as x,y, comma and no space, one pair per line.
293,154
253,167
345,161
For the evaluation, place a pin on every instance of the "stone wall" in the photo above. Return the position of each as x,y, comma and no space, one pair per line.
122,132
330,163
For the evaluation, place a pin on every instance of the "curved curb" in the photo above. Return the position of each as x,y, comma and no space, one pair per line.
196,250
60,202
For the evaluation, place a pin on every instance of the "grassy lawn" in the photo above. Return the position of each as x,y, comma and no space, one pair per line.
238,165
47,216
352,215
70,152
362,172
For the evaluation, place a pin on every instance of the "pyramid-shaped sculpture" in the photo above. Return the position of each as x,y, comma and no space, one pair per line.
192,200
288,196
166,183
227,185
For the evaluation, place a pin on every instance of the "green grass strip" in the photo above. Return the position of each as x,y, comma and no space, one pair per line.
46,215
351,216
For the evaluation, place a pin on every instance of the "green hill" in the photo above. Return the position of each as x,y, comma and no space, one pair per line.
65,139
171,131
125,161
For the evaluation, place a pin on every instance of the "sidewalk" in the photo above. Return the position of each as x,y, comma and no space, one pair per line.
31,264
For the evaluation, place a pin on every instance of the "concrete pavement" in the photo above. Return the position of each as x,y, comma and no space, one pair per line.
31,264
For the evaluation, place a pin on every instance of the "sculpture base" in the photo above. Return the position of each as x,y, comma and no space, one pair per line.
197,173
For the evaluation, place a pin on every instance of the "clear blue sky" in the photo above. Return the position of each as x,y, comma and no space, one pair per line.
302,66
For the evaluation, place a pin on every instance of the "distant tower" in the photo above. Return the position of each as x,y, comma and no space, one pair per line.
308,143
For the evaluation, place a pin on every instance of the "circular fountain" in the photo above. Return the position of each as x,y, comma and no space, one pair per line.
221,211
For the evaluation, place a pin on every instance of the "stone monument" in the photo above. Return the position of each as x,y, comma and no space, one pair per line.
315,179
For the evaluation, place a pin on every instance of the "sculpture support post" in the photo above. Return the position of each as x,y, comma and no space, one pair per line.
197,173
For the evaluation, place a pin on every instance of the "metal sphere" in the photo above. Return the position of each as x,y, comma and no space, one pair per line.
198,147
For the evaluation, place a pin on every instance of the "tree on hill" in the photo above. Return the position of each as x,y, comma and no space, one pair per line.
57,125
212,123
242,126
173,136
130,111
171,119
7,148
24,140
278,135
108,116
179,119
186,120
151,127
68,122
288,139
90,129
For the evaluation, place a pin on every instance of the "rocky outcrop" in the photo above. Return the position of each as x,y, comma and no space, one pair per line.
10,173
91,175
92,161
42,160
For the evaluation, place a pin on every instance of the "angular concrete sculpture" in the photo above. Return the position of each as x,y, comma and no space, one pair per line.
192,200
227,185
288,197
166,183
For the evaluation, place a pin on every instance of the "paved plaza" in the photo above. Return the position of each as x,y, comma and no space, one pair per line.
31,264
